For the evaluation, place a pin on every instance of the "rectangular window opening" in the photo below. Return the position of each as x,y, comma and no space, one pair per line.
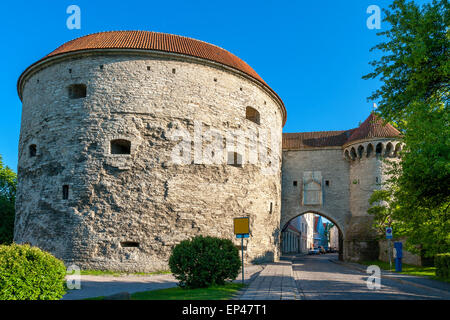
234,159
77,91
129,244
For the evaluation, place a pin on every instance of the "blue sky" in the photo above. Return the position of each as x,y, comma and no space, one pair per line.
312,53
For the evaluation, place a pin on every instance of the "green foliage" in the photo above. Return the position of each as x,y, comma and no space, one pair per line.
425,166
415,70
426,229
381,210
8,181
442,263
416,61
28,273
223,292
204,261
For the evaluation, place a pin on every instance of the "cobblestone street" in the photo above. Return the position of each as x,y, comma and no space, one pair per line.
320,278
323,277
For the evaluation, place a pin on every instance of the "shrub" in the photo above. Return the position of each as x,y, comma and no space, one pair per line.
204,261
8,182
442,264
28,273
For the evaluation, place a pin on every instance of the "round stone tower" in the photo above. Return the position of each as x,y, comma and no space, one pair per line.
132,141
366,150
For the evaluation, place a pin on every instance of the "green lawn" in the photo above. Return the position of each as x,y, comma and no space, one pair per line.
429,272
118,274
224,292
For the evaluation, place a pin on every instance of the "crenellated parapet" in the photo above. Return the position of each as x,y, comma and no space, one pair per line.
374,148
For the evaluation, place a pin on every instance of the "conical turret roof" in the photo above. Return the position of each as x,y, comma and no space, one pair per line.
374,127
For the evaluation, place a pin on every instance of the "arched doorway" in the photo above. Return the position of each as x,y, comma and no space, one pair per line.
311,231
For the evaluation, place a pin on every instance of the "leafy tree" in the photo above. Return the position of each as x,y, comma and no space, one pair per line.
416,62
415,71
381,209
8,181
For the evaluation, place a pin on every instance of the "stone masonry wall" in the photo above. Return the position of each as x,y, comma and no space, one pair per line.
335,198
143,197
368,171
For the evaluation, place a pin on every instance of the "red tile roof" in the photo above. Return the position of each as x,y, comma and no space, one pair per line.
157,41
146,40
304,140
373,127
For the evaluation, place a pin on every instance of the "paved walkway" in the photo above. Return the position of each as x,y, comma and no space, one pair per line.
275,282
297,278
96,286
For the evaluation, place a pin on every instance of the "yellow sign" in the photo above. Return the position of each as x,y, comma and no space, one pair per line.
241,225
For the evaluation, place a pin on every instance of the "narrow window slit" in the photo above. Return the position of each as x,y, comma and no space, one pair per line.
65,191
32,150
129,244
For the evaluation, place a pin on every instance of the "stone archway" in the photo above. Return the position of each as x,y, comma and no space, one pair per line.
284,224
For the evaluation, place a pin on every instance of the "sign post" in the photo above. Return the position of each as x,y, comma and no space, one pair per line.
398,256
389,237
242,230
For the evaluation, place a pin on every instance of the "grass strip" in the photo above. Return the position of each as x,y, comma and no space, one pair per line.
429,272
223,292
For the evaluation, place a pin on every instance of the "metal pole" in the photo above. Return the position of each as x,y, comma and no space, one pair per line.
390,260
242,249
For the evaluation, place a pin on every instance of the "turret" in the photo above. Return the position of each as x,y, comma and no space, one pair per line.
365,150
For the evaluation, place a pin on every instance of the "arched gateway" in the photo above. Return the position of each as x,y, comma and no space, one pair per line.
305,230
333,173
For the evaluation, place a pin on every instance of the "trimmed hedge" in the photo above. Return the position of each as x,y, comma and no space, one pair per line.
442,264
204,261
28,273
